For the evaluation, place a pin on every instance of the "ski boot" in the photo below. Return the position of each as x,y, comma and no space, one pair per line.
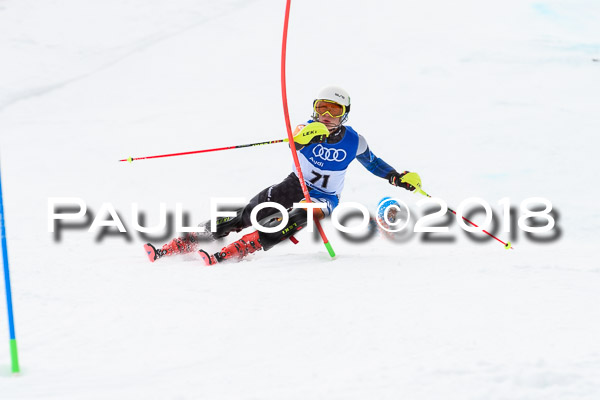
256,240
237,250
181,245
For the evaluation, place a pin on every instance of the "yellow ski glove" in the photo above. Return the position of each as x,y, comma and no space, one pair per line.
315,132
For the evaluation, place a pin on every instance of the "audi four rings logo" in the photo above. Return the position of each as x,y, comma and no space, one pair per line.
329,154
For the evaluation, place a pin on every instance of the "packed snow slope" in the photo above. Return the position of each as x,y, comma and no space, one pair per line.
481,98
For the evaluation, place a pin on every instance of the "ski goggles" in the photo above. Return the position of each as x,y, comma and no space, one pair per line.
332,108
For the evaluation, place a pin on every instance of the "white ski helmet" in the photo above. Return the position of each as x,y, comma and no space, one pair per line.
334,93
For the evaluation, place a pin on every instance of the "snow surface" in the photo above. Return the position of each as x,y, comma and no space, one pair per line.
481,98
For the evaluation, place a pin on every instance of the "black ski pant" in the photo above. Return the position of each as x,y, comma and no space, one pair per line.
286,193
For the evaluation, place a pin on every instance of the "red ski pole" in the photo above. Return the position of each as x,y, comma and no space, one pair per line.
289,129
239,146
414,179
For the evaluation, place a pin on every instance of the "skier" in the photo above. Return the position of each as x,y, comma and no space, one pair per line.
325,148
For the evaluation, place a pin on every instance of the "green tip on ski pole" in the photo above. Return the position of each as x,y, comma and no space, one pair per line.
14,356
129,159
330,250
508,246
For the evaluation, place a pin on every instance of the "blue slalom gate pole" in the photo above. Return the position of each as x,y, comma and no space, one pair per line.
11,322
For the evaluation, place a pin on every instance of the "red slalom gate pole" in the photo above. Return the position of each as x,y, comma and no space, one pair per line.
289,128
239,146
